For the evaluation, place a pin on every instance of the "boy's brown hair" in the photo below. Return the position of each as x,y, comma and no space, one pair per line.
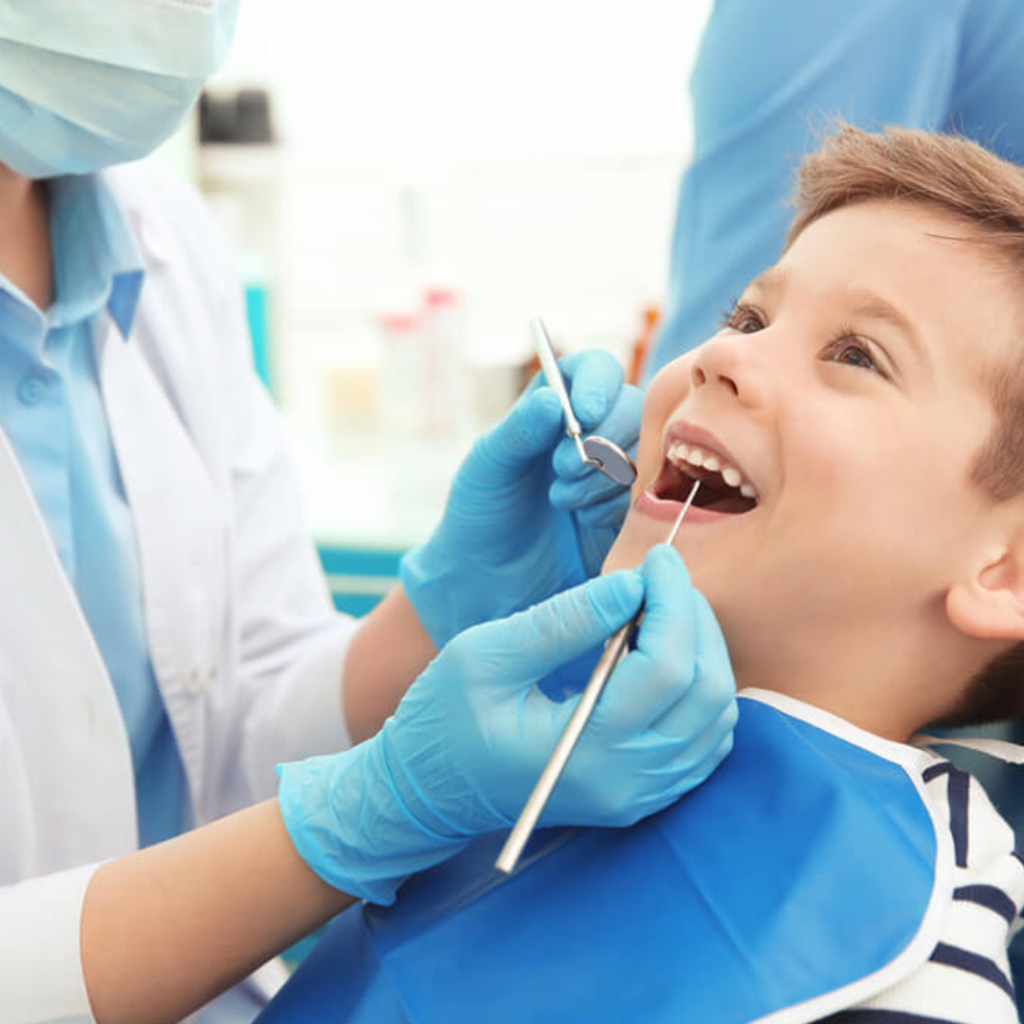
959,177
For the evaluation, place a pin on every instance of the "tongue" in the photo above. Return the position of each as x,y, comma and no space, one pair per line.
729,504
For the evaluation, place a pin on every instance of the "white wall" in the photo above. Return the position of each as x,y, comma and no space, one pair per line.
424,82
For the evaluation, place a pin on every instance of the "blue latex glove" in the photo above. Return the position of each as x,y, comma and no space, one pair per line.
525,518
470,738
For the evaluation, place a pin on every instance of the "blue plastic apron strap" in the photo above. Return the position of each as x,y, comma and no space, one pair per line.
799,879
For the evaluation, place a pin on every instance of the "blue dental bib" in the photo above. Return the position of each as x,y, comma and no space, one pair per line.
804,876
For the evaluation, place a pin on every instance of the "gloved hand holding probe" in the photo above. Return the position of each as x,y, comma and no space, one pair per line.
465,746
525,519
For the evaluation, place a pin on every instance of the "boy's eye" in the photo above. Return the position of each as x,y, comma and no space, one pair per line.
743,318
851,351
846,348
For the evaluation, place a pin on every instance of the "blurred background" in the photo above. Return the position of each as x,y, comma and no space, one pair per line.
405,185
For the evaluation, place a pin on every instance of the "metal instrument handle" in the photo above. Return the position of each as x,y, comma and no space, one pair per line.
549,364
614,651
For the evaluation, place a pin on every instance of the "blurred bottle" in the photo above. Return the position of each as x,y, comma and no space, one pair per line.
403,404
641,346
444,354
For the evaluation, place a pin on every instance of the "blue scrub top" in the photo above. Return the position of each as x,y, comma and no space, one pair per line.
52,411
768,78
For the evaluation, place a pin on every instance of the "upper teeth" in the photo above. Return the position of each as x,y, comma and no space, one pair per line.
680,452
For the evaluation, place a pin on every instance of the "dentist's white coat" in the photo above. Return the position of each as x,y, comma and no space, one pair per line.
244,641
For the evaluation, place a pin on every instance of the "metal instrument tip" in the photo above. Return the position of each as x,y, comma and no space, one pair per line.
682,512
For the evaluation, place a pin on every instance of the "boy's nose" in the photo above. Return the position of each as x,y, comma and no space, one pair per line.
727,362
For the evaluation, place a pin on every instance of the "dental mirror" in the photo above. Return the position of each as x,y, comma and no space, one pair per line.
595,450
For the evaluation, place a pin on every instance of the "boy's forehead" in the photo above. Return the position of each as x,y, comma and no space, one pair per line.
875,236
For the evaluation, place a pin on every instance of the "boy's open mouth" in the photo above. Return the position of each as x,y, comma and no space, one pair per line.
723,487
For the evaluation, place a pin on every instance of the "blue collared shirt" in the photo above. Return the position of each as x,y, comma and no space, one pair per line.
52,410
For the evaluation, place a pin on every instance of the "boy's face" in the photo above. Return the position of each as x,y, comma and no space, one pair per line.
849,392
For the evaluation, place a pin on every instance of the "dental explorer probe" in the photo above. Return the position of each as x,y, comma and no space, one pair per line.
614,651
595,450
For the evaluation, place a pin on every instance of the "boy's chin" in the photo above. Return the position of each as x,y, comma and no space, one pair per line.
623,555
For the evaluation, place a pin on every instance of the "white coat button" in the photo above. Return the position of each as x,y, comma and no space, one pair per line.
32,389
195,681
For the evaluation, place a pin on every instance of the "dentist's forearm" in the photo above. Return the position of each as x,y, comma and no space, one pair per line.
165,930
385,656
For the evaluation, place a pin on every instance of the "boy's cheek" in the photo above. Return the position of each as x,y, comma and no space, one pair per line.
666,392
670,385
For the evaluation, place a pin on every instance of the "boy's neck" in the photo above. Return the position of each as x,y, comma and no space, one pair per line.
25,257
893,685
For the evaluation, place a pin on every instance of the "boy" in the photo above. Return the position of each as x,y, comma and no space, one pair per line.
858,425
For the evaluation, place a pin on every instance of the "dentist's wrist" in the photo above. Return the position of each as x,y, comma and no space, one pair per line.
432,588
348,820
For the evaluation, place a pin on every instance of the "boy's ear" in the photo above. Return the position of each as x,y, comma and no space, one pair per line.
988,604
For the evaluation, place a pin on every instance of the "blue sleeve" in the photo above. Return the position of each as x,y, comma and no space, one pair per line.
988,100
768,78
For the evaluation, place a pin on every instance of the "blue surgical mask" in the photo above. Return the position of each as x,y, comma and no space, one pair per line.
89,83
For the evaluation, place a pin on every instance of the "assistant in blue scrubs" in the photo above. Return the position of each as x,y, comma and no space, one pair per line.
770,76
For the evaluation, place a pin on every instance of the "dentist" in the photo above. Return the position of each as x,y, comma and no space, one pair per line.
166,637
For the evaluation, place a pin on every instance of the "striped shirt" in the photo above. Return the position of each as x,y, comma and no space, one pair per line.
967,979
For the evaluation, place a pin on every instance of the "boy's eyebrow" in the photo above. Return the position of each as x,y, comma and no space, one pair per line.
869,305
874,307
